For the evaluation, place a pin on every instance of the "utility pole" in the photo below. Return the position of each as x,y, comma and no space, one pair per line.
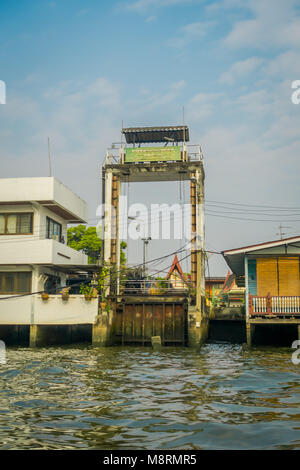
145,241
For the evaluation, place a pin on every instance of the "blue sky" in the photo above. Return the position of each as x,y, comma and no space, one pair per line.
74,70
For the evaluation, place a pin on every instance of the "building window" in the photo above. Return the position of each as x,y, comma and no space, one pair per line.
15,283
54,230
14,224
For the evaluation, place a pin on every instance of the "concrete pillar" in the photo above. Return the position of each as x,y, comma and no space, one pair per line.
108,216
101,332
47,335
111,223
250,329
198,326
35,281
36,336
115,241
198,318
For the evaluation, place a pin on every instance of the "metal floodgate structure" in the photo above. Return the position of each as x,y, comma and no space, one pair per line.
151,154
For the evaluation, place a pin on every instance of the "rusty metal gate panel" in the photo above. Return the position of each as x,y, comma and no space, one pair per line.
137,322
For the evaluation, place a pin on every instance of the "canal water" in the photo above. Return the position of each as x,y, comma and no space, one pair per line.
79,397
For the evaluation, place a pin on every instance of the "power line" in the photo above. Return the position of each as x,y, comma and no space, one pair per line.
114,273
254,205
73,285
251,220
255,211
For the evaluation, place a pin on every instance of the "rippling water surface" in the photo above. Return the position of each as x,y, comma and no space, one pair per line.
132,398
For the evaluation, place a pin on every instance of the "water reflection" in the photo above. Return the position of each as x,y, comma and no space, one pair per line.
132,398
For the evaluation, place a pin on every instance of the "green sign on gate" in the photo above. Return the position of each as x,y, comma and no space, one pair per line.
153,154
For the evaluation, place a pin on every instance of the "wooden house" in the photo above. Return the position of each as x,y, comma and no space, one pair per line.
272,281
213,286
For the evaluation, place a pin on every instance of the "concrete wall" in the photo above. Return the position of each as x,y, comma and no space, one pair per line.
15,311
59,312
26,251
42,189
32,309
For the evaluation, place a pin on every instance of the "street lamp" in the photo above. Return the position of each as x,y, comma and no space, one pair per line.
146,241
145,244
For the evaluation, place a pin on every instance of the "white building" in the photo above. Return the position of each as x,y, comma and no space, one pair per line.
34,256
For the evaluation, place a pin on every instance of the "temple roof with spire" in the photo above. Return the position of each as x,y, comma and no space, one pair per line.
176,267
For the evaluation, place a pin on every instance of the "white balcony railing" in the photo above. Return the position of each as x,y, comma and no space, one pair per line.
274,305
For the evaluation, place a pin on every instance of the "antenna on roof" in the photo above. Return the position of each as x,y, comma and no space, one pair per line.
49,158
281,233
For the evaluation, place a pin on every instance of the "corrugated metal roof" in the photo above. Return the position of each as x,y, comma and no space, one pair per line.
135,135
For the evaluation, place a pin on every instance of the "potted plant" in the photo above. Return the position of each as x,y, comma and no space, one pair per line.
88,291
65,293
45,296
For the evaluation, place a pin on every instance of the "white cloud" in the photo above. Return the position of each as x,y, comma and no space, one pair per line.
240,167
225,4
150,19
274,25
240,70
257,103
202,105
286,65
81,120
190,32
158,100
142,6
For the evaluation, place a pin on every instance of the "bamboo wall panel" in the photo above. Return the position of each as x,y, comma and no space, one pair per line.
267,276
289,282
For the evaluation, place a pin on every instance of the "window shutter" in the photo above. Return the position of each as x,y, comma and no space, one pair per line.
289,283
267,280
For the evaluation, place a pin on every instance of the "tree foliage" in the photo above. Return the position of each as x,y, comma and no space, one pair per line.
85,239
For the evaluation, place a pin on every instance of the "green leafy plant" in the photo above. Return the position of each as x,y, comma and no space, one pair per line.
98,285
88,290
162,283
102,281
85,239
